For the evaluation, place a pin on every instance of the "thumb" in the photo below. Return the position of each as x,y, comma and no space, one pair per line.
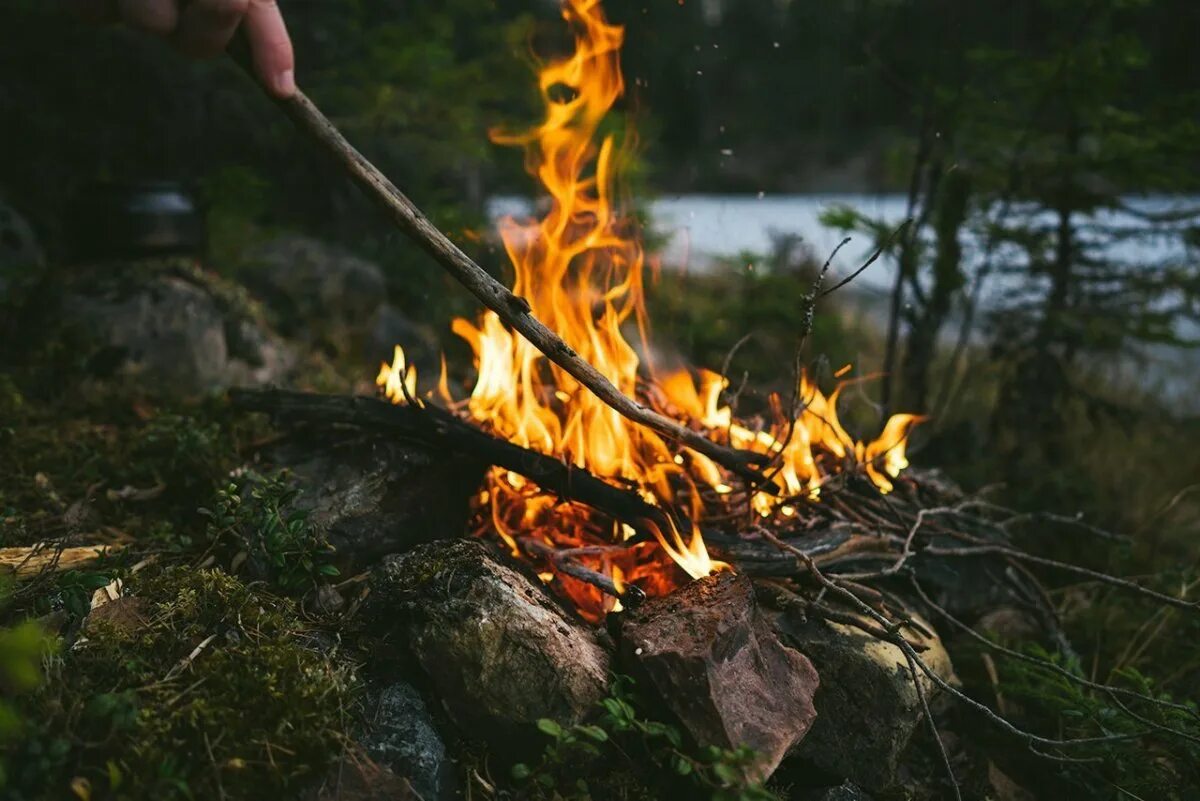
271,47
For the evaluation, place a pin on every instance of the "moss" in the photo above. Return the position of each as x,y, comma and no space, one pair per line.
79,456
210,691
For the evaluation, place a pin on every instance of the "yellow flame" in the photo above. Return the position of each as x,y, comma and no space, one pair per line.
393,384
580,267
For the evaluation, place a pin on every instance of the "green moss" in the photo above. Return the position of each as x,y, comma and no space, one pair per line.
113,461
205,687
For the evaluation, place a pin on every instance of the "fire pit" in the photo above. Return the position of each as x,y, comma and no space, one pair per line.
581,268
722,551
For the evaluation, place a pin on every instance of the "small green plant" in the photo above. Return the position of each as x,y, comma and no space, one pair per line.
614,741
22,648
1152,766
257,516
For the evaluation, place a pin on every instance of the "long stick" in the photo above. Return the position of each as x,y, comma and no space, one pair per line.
512,309
437,426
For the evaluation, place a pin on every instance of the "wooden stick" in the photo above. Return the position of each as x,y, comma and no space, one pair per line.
437,426
512,309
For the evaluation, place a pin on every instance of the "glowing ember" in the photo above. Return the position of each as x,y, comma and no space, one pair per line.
580,267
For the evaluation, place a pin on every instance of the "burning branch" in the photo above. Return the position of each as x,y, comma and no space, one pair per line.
437,426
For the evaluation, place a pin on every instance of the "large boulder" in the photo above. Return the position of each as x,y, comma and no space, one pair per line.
867,706
375,494
170,325
719,667
498,651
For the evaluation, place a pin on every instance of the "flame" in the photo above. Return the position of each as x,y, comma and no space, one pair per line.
581,267
396,387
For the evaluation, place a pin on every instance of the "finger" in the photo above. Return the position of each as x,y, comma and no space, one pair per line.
272,47
155,16
206,26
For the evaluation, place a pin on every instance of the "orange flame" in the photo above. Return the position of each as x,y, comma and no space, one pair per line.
581,267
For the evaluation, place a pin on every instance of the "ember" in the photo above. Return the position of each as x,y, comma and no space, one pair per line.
581,269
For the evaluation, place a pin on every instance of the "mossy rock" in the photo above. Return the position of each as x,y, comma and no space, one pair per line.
499,652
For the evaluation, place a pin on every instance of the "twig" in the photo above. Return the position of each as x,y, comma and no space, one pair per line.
631,596
890,630
1013,553
933,729
874,257
1045,664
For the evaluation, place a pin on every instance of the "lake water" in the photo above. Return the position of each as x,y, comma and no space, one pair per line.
704,231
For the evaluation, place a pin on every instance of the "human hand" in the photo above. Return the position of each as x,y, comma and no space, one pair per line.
203,28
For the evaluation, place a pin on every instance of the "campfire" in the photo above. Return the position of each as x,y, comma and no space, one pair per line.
582,269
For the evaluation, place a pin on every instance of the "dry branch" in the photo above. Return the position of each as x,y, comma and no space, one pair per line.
437,426
512,309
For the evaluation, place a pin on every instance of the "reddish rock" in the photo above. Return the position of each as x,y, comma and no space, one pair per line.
718,665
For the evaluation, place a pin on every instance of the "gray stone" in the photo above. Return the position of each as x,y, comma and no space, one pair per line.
499,652
843,792
718,665
19,247
403,739
314,287
374,494
173,329
356,778
391,327
867,706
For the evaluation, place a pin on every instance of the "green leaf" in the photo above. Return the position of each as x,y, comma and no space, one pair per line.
549,727
595,732
726,774
521,771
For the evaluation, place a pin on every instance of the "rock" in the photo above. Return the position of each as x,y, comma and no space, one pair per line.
402,738
19,246
357,778
169,323
314,288
867,706
125,614
498,651
373,494
718,665
1008,624
391,327
843,792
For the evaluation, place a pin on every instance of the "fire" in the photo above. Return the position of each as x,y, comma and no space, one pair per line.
581,269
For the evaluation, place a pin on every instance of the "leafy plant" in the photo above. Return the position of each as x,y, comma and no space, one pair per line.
1154,748
21,650
613,740
258,515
